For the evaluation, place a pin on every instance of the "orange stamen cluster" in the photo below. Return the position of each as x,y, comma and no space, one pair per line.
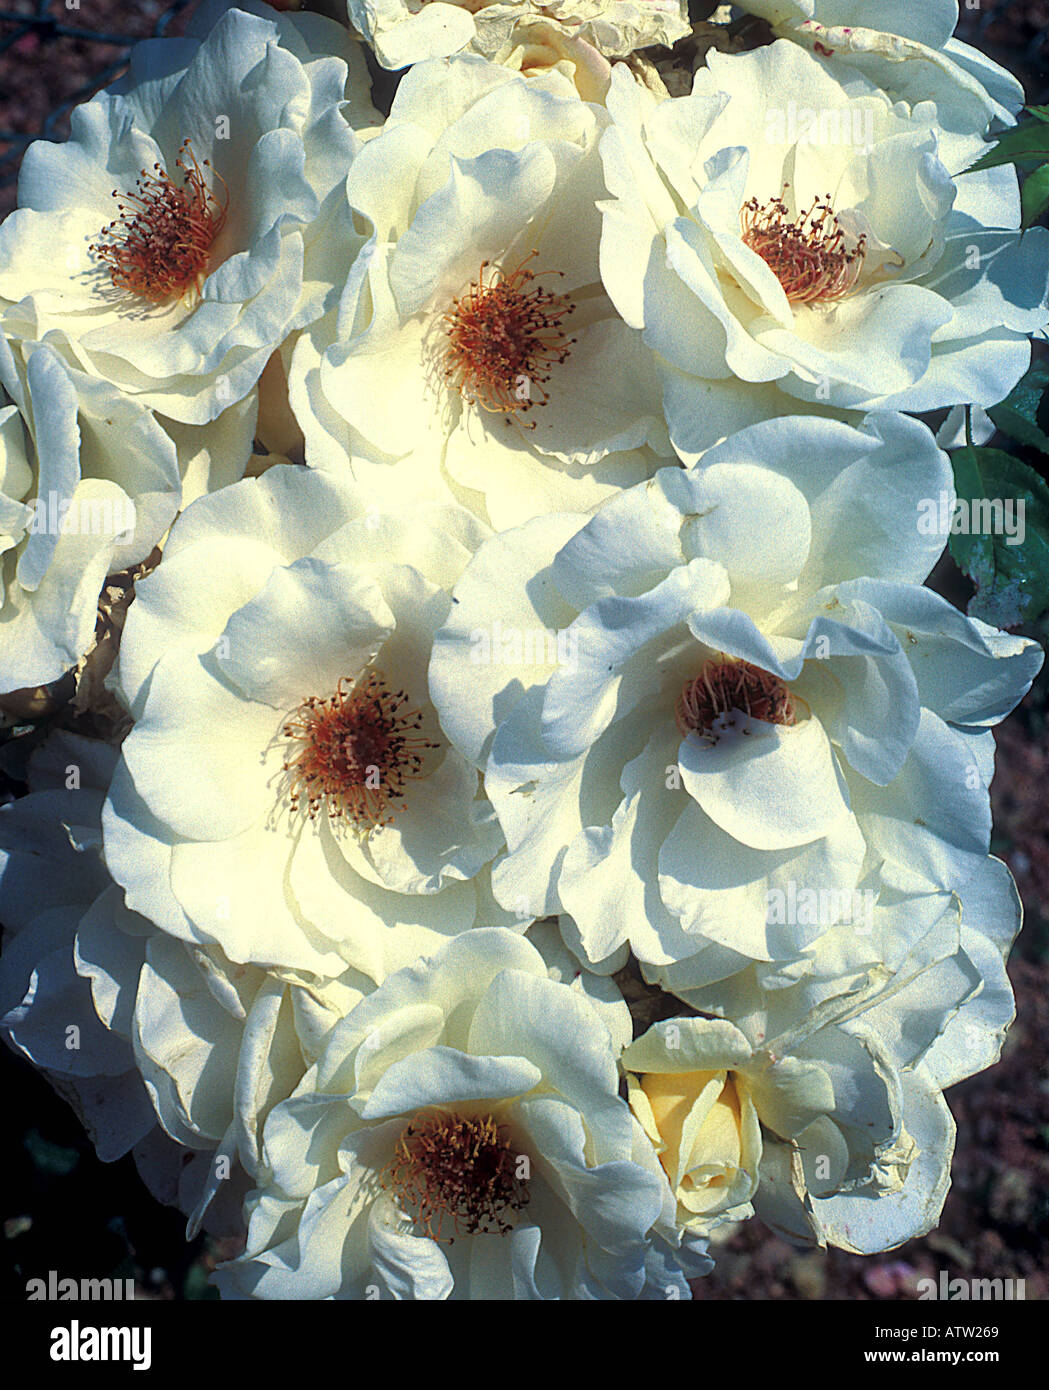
808,253
357,751
505,335
160,244
724,685
450,1168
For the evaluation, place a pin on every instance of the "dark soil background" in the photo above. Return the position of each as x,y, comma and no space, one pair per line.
63,1210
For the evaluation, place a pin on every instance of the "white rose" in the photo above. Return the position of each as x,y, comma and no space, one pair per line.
940,1018
724,715
223,155
463,1136
473,349
788,234
287,792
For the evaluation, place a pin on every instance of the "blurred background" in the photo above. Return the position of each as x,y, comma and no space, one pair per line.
63,1210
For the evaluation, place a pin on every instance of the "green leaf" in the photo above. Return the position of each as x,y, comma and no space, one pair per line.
1010,571
1034,196
1024,414
1026,144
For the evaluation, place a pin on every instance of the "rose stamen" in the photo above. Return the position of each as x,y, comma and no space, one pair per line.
160,244
505,335
724,685
357,751
462,1169
807,254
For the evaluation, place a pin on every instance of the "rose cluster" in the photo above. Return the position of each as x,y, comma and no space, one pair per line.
500,800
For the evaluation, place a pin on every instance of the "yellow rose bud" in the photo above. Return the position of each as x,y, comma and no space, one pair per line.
705,1129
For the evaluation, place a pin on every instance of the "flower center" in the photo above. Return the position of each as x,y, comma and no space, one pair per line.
457,1168
160,244
723,685
357,751
807,255
505,335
